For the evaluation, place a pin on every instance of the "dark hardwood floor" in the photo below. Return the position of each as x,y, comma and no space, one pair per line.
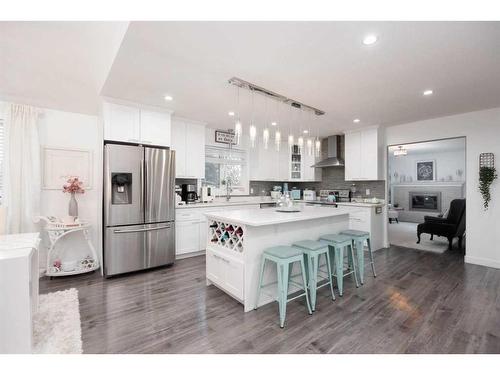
419,303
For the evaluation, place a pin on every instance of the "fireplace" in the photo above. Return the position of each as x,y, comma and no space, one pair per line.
429,202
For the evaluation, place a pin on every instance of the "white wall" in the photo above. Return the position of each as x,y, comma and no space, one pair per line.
482,132
73,130
446,164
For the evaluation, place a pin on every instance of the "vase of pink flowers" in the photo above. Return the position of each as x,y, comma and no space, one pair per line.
73,186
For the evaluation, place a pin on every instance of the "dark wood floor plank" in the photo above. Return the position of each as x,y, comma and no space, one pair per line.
420,303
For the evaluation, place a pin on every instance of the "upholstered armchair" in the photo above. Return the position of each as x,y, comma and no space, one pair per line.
450,227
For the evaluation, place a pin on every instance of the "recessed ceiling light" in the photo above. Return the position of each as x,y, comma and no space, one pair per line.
369,39
274,123
356,120
428,92
306,131
168,98
230,113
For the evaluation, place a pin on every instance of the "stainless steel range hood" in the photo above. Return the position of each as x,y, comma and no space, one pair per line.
334,158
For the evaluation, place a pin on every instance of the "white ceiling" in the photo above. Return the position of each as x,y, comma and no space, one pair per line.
323,64
60,65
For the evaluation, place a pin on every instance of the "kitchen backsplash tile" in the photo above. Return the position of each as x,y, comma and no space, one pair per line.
332,178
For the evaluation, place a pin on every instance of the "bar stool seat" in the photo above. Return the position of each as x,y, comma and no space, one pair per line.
283,252
336,244
313,250
284,257
358,238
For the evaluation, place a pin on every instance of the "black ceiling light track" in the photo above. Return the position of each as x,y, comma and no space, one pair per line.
291,102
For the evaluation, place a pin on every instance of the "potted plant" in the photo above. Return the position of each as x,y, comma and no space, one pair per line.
486,177
73,186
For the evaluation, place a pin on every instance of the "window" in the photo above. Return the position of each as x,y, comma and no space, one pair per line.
223,165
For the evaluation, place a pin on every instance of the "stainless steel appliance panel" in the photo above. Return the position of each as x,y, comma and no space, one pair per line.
159,181
124,249
126,161
160,244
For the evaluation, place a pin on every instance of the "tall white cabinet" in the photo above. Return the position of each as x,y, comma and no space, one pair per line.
188,141
134,124
364,154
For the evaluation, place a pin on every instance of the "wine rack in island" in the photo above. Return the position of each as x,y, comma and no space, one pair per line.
228,236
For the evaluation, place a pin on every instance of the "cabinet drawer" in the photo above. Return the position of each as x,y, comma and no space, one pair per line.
188,215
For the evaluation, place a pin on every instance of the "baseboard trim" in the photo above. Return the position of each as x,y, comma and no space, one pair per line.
190,255
482,261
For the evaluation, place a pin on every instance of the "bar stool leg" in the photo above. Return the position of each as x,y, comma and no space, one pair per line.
313,279
304,282
329,269
281,300
360,252
353,265
371,257
339,268
261,277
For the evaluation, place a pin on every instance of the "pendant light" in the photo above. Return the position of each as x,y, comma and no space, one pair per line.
238,130
291,140
253,129
300,140
265,132
277,133
317,147
309,142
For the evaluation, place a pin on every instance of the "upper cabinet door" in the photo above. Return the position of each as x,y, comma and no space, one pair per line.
179,146
352,156
195,150
121,123
155,128
369,154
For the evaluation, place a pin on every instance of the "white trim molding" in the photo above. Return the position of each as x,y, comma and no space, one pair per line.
61,163
482,261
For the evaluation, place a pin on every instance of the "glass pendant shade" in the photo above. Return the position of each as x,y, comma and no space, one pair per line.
309,144
290,140
253,135
277,139
238,130
317,146
265,138
300,141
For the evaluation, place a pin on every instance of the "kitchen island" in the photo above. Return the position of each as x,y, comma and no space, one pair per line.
236,240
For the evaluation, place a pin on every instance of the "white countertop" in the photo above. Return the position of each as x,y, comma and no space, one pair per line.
16,245
224,203
269,216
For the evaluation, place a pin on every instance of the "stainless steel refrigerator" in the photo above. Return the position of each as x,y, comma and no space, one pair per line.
139,208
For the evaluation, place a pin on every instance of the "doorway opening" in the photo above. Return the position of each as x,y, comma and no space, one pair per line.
426,194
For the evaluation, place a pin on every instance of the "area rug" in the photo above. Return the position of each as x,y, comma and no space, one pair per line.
57,328
405,234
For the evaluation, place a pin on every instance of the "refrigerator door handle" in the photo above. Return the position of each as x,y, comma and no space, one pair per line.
142,177
141,230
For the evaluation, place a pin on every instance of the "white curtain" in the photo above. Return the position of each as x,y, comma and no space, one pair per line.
23,172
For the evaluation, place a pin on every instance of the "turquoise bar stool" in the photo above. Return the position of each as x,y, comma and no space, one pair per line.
358,238
313,250
337,243
284,257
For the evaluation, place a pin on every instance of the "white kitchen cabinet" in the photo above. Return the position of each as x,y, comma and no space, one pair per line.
121,123
368,219
187,237
363,156
155,128
309,173
128,123
188,141
226,272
